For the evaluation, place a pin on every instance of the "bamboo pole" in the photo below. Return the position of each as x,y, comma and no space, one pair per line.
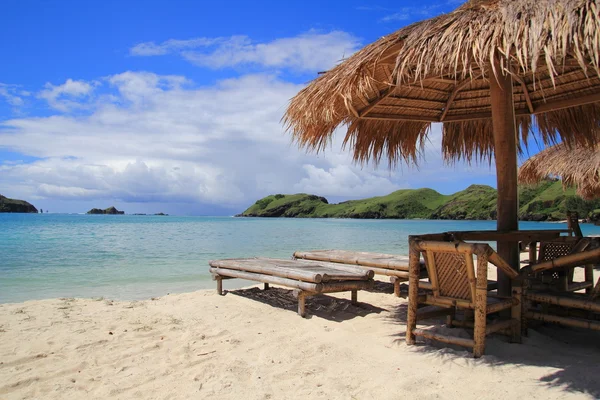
577,323
589,278
433,312
435,287
268,269
480,306
413,290
516,312
333,287
365,273
497,235
471,275
501,326
444,338
453,247
354,297
571,260
564,301
596,291
532,252
505,149
309,287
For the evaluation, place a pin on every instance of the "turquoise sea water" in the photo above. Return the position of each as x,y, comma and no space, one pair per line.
137,257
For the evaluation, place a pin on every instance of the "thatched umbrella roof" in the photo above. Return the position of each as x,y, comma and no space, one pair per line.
578,167
489,71
439,70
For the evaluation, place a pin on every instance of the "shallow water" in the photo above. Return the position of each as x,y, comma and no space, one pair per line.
135,257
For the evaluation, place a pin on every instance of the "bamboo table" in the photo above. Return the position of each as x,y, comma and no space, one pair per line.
307,278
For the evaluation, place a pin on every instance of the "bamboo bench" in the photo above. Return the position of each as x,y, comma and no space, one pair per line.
307,278
394,266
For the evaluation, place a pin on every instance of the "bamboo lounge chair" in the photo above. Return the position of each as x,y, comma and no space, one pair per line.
456,284
392,265
306,278
567,307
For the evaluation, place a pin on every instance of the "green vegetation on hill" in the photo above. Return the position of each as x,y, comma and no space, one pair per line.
546,201
15,206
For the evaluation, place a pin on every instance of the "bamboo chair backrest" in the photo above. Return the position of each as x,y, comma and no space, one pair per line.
451,269
560,247
554,249
452,272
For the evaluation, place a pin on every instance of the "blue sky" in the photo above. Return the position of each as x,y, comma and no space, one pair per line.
174,106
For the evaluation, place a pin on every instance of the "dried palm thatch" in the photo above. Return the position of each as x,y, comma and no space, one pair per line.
579,166
389,93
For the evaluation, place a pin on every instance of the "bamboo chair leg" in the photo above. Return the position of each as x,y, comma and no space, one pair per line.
563,283
413,292
354,297
480,307
589,278
516,313
450,317
266,286
525,307
219,285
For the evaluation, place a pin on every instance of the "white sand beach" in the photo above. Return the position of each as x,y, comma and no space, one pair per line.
251,344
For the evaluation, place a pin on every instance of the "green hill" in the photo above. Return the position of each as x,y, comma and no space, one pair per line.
546,201
15,206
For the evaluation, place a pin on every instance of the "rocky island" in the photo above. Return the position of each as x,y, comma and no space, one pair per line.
544,202
109,210
15,206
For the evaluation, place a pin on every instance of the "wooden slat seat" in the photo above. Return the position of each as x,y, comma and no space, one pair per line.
455,283
306,277
394,266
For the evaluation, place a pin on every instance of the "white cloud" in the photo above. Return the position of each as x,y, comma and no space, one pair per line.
396,17
12,95
311,51
67,96
159,139
344,180
420,12
171,45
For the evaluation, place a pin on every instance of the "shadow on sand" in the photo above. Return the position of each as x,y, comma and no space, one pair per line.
575,353
322,306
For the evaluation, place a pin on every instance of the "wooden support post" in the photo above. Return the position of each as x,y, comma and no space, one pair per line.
505,149
396,283
266,286
414,269
480,307
301,304
516,312
219,285
354,297
589,277
532,252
